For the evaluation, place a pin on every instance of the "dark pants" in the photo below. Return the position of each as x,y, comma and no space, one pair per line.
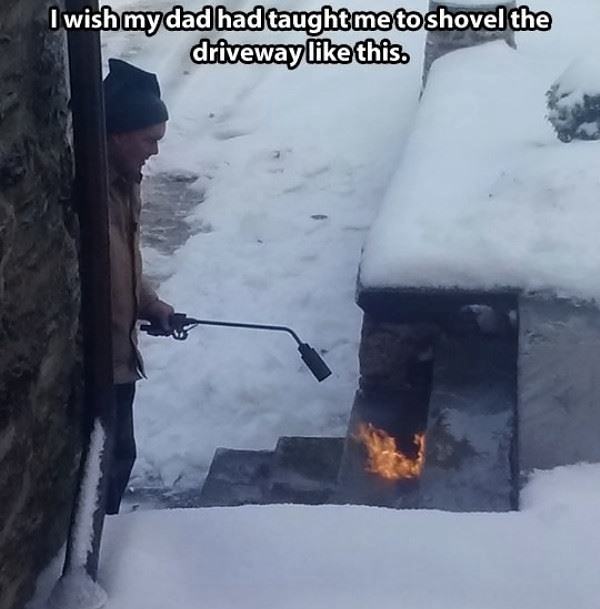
124,453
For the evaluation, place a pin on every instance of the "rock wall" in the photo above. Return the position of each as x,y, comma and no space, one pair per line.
40,361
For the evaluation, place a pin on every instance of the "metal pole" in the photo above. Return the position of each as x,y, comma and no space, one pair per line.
91,191
236,324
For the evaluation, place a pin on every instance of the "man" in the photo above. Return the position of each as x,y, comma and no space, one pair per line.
136,120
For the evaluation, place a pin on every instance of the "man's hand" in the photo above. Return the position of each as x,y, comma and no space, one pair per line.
159,313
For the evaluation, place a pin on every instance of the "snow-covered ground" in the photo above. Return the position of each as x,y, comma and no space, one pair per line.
298,557
292,168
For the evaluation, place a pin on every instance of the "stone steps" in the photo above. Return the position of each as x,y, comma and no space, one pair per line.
299,470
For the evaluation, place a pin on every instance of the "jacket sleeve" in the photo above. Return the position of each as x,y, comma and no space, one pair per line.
147,297
145,293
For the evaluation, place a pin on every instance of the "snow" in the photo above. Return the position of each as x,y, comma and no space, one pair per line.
88,498
510,206
77,590
272,149
582,76
292,167
574,100
293,557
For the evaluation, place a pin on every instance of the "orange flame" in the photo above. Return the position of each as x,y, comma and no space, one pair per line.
385,459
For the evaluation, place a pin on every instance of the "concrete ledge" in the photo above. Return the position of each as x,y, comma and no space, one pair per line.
559,383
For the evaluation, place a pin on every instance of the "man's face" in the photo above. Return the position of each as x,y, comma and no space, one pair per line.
130,150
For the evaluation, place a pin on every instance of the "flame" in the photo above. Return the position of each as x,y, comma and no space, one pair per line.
385,459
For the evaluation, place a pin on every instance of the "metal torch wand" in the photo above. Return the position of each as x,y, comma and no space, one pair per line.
181,324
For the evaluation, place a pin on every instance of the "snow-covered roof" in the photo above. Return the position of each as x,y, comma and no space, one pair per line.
486,197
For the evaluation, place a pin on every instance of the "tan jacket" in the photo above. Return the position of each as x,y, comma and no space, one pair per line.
130,292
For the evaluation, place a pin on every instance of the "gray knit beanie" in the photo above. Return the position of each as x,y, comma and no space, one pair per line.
131,98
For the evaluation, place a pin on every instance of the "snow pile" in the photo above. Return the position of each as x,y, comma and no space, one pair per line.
574,101
485,197
294,557
77,590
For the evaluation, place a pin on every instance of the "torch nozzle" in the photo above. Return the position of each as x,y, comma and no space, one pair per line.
314,362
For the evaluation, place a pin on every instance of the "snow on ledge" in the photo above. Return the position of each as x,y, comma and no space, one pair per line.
486,196
352,557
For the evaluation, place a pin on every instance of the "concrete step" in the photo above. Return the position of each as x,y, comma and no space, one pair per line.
299,470
471,441
305,470
237,477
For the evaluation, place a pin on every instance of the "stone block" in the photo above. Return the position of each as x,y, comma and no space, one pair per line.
470,456
40,355
305,470
400,415
390,354
559,383
237,477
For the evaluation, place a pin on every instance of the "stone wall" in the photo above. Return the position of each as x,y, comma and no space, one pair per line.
40,361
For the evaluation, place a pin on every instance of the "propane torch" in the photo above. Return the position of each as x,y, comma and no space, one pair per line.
181,324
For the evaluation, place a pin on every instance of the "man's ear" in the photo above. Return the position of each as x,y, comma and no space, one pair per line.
115,142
